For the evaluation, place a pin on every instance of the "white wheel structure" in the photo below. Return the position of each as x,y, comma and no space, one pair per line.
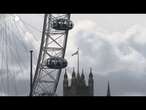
53,46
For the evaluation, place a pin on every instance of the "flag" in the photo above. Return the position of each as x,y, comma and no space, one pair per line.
75,53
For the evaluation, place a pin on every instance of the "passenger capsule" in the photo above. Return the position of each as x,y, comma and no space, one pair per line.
62,24
56,63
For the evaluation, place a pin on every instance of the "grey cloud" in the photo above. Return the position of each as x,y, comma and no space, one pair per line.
99,56
104,59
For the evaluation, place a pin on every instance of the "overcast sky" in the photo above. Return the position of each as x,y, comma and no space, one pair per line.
112,44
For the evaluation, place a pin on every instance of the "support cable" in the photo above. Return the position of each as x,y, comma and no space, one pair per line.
10,53
16,51
26,48
27,25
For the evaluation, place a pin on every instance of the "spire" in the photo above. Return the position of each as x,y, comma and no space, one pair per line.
78,75
65,81
73,81
91,83
65,75
90,75
108,90
82,75
83,83
73,74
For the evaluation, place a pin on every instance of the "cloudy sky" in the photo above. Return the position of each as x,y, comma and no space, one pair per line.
112,44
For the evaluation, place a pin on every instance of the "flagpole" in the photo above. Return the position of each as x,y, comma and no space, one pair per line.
77,53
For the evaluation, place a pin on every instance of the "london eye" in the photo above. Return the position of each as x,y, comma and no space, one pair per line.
50,59
53,47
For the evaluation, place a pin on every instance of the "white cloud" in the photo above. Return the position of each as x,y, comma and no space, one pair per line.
110,52
86,25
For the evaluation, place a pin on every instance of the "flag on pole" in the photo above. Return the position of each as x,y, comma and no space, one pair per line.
75,53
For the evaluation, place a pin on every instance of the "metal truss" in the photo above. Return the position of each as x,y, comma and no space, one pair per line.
53,43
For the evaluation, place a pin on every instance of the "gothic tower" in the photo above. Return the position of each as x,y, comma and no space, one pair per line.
65,84
108,90
73,84
91,83
78,85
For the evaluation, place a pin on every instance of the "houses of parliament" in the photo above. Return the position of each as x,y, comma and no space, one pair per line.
78,86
